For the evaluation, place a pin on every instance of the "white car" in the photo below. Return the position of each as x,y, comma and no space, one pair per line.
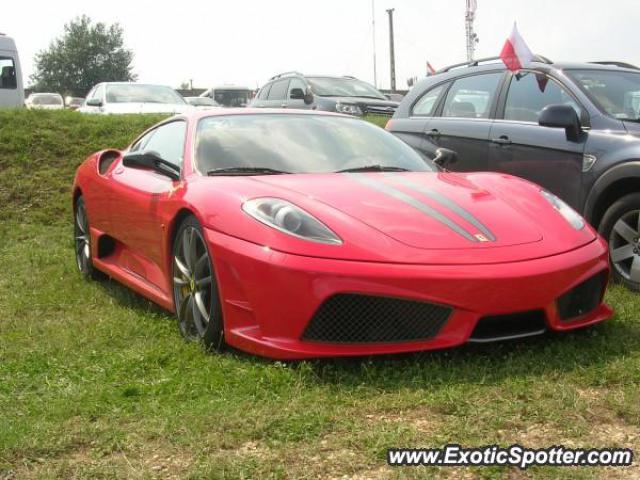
44,101
122,97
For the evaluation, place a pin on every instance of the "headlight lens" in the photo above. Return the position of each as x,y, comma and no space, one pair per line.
565,210
348,108
290,219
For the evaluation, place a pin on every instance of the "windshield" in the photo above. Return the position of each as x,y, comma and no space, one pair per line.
343,87
299,144
133,93
47,100
231,97
615,92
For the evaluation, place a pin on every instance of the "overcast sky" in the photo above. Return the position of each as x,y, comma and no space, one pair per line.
247,41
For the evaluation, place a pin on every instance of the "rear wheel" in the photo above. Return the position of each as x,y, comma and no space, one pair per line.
195,290
82,240
620,226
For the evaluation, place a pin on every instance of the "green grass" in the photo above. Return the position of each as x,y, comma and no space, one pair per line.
95,382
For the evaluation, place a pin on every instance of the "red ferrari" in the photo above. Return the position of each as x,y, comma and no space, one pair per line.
295,234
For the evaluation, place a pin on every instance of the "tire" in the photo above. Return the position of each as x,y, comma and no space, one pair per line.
195,289
82,240
620,226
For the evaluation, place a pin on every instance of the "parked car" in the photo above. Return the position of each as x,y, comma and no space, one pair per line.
73,103
573,128
202,102
11,89
44,101
229,95
332,94
296,234
123,97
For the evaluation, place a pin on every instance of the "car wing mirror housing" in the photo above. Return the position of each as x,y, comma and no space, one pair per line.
561,116
444,157
151,161
94,102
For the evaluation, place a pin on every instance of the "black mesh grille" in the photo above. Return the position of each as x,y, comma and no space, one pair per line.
582,299
496,327
352,318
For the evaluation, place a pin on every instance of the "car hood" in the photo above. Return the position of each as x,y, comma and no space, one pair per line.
369,104
413,217
147,108
423,210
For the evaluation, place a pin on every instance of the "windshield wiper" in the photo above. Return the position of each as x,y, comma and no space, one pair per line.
245,171
374,168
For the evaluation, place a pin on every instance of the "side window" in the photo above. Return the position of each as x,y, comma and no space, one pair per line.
530,92
427,104
278,90
471,97
8,78
97,93
296,83
167,141
264,92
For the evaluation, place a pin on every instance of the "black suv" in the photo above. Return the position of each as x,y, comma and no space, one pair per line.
320,92
572,128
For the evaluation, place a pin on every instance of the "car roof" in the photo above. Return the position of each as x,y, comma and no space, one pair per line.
199,114
459,70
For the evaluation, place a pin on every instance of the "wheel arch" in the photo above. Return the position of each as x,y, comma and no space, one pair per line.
614,184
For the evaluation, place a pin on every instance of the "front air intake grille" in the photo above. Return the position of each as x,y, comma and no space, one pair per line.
513,325
582,299
353,318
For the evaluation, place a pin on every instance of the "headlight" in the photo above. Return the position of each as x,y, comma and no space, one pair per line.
565,210
290,219
348,108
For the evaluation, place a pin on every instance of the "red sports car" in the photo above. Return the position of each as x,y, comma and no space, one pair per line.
297,234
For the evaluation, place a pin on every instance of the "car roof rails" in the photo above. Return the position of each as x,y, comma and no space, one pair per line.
475,63
286,74
349,76
616,64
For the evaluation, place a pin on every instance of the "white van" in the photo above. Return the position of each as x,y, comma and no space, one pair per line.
11,88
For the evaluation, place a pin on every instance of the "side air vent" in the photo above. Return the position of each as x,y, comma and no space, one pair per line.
583,298
106,160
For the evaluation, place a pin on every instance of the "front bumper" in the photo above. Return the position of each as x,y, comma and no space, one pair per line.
269,297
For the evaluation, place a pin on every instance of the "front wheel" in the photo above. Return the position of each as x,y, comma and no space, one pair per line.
620,226
82,240
195,290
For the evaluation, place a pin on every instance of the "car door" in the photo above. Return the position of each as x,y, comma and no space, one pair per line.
521,147
94,103
412,129
138,195
293,100
464,120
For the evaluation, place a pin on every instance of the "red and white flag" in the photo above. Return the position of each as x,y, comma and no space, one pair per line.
515,53
430,69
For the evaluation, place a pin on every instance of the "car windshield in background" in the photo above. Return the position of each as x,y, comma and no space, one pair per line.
615,92
343,87
231,97
47,100
300,144
132,93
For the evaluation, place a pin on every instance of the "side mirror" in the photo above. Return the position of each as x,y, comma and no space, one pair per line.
444,156
296,94
561,116
308,96
94,102
152,161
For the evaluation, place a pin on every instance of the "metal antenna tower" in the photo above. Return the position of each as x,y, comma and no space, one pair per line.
472,36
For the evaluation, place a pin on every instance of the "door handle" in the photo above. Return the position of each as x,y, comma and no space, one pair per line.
501,140
434,133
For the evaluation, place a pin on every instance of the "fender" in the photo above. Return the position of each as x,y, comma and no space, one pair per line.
629,169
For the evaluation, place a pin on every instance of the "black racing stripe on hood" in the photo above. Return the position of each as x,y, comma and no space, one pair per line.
445,202
411,201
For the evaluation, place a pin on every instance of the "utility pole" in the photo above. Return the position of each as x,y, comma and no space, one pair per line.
373,23
472,36
392,55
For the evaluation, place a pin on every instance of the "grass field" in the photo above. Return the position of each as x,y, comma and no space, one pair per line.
95,382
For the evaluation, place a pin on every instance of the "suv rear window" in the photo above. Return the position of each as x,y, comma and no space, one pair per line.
472,97
427,104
